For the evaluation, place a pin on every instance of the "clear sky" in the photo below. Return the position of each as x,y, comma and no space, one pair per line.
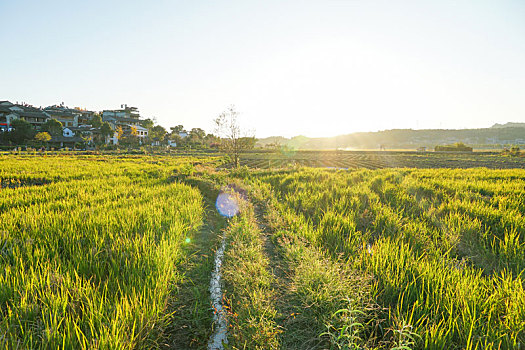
316,68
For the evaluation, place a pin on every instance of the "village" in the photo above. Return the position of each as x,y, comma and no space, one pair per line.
64,127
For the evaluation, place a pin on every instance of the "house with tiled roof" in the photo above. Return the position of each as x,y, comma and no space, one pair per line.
69,116
75,121
127,118
11,111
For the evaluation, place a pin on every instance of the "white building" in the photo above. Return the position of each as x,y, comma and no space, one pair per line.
141,131
112,140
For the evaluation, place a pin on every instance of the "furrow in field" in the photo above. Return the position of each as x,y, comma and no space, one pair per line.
219,336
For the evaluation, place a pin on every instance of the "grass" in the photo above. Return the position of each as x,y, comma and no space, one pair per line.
115,251
190,325
89,260
446,265
249,285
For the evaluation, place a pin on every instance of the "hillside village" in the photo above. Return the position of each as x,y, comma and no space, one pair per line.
22,123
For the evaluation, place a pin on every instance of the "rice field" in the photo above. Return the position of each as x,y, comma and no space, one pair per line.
439,254
379,160
117,252
89,249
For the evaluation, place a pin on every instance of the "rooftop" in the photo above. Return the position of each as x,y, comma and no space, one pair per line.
25,110
122,119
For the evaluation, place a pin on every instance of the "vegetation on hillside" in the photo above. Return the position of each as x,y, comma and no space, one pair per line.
456,147
406,139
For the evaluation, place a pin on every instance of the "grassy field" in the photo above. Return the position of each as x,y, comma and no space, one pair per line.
116,251
89,249
379,160
439,255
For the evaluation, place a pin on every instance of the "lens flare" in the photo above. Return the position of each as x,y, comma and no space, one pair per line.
187,240
227,204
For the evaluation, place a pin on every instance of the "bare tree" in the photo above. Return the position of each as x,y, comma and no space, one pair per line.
232,140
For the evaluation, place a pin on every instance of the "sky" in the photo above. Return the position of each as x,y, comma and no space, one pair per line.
313,68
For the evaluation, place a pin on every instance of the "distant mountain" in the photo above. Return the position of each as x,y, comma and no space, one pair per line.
494,137
509,125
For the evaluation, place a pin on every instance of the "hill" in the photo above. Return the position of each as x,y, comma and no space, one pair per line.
497,136
509,125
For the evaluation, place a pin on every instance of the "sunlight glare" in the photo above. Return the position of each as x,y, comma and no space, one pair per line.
227,204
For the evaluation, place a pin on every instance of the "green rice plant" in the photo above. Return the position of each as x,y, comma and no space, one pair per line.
444,246
89,256
405,338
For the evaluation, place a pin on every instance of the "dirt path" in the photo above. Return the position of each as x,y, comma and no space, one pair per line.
191,324
196,325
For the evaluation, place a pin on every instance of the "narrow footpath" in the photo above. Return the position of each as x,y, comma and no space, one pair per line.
192,322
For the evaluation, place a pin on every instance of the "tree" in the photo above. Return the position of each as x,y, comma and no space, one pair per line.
120,132
22,131
52,126
211,141
132,139
196,137
248,142
157,132
177,129
177,139
43,137
96,120
232,140
106,130
197,134
147,123
175,135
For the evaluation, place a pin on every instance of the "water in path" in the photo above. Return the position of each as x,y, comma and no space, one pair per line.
227,205
219,335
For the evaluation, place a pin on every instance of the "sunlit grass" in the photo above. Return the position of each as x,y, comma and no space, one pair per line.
89,259
445,247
